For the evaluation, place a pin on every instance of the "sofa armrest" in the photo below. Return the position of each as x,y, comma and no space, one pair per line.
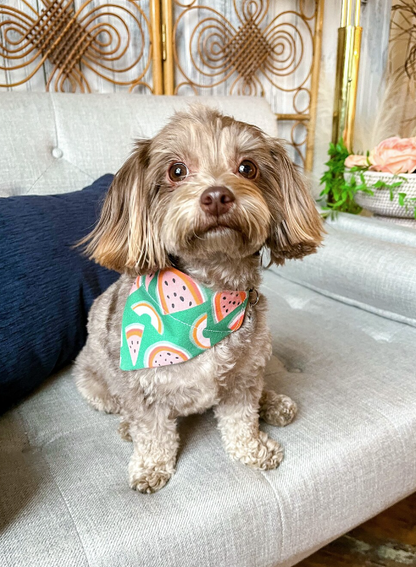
364,264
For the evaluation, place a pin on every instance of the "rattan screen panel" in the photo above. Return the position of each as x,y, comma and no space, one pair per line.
252,47
75,45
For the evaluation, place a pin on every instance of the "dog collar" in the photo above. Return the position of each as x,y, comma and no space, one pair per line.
170,318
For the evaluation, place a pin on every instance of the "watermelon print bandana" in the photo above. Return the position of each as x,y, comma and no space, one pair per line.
170,318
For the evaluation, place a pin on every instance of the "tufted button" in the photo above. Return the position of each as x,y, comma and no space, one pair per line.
57,153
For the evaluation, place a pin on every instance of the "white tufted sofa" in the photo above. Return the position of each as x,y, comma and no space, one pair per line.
343,325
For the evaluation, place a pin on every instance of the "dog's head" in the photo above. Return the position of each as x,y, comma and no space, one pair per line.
206,184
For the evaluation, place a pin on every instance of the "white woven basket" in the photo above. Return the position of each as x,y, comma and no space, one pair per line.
380,203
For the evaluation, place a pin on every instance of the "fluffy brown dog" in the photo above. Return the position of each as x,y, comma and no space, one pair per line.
205,195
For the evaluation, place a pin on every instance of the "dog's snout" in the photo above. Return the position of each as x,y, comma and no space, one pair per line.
217,200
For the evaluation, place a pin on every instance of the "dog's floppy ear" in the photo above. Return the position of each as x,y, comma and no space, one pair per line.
300,231
124,238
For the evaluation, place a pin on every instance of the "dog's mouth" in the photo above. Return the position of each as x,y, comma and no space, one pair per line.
219,228
213,235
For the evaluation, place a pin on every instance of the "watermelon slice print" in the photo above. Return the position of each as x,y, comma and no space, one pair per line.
237,321
177,291
164,354
136,285
134,334
196,334
144,308
148,278
225,302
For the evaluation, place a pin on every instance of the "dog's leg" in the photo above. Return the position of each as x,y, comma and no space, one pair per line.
277,409
91,384
156,442
238,421
124,429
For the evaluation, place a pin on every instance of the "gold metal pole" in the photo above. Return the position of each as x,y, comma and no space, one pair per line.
357,14
317,44
156,47
346,82
349,9
167,34
344,13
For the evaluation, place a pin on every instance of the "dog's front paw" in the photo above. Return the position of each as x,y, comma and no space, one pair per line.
277,409
260,452
149,477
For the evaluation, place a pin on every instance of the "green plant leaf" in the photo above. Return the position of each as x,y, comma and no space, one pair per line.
402,197
380,184
340,190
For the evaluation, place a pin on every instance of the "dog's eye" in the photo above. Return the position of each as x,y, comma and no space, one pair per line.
178,172
247,169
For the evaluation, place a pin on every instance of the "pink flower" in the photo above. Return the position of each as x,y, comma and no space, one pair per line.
394,155
354,161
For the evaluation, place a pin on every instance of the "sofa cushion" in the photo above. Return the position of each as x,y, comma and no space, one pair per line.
350,453
46,286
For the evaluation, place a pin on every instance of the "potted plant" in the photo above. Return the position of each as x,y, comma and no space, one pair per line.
383,181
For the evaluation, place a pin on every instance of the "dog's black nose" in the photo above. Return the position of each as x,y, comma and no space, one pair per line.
217,200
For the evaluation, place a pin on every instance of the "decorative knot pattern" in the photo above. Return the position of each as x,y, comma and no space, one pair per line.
59,36
247,50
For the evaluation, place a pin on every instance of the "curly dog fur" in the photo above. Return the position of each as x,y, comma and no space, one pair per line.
152,219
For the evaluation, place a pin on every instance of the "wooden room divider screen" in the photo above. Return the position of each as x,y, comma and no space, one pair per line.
250,47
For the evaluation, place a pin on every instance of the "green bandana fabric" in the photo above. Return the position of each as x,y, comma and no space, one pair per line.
170,318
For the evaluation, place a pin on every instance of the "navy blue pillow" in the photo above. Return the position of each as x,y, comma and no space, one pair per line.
46,285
